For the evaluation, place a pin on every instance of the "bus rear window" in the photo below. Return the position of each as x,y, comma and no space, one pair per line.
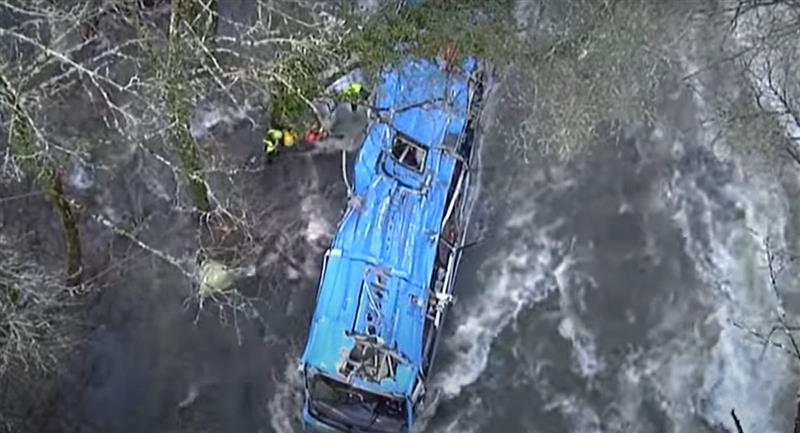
340,403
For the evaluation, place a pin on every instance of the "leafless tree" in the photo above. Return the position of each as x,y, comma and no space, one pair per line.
778,260
754,47
763,49
99,84
141,69
599,65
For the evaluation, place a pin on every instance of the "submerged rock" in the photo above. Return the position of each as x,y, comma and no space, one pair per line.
215,277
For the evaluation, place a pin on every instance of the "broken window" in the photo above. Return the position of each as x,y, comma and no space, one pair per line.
370,360
410,154
354,408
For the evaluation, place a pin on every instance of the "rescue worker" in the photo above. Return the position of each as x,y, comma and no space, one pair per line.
288,138
324,110
314,134
354,93
276,138
272,141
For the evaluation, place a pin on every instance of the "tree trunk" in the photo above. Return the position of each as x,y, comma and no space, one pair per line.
69,228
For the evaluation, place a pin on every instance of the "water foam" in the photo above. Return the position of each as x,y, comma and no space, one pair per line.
287,399
514,280
735,365
729,257
584,350
318,228
210,116
469,419
724,220
582,417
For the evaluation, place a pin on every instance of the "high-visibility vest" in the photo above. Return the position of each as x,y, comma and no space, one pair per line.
289,138
353,90
275,134
270,146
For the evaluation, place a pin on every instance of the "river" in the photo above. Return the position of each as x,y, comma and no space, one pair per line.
600,298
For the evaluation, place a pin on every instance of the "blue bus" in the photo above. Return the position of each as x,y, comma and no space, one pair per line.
387,278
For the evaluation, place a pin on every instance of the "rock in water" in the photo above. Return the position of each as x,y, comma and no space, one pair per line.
215,277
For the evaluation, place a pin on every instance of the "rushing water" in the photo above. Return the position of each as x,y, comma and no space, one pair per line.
602,296
605,299
600,299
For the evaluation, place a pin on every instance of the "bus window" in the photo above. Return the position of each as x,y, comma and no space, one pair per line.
408,153
337,403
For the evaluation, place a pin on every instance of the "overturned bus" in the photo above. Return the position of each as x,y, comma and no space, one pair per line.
387,279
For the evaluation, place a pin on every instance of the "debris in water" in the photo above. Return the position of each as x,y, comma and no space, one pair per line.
215,277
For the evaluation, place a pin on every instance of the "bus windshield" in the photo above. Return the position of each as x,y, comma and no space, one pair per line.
338,403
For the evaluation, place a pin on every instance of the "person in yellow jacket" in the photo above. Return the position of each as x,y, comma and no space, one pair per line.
289,138
278,137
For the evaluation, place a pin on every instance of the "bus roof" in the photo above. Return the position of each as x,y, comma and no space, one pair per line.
387,244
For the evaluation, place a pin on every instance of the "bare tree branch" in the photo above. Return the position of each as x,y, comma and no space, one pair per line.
736,422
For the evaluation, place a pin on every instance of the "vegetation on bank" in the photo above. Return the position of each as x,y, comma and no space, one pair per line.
605,71
474,27
602,66
38,164
31,312
189,20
